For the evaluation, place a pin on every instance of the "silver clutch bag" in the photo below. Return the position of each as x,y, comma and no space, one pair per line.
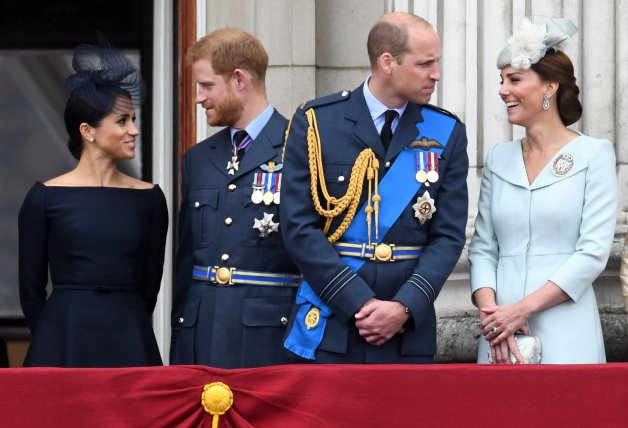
529,346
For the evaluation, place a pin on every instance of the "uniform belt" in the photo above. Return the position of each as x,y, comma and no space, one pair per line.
232,276
378,252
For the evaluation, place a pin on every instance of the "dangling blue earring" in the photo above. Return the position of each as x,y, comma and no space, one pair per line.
546,103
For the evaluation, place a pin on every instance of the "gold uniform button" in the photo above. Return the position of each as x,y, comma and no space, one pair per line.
197,204
180,320
341,178
228,221
224,257
387,164
232,187
284,321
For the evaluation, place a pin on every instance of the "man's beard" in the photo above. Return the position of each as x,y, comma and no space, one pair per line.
227,113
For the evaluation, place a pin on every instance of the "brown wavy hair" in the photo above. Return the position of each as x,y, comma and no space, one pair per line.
556,66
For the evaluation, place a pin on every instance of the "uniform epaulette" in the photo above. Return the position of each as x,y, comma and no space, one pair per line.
327,99
442,110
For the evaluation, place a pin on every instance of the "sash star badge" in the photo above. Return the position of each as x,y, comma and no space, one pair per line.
424,207
266,226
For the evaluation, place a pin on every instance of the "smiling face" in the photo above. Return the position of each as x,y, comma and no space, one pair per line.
217,96
414,77
115,135
522,91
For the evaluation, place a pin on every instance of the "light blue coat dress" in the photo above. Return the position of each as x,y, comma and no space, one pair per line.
559,228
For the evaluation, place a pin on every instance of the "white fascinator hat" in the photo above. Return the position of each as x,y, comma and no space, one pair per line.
534,37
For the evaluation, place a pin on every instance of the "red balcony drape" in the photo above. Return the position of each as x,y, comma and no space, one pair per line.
457,395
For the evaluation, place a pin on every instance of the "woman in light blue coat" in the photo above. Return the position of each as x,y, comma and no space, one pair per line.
546,211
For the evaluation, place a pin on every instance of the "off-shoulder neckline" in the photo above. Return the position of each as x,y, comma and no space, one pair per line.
155,186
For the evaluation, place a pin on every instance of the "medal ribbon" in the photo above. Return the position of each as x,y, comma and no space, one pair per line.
433,161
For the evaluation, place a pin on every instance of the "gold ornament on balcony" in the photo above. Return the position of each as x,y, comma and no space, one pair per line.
216,399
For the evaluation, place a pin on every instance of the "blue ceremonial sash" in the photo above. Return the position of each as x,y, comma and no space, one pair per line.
396,189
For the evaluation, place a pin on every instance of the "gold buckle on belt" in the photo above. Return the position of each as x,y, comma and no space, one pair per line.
383,252
224,276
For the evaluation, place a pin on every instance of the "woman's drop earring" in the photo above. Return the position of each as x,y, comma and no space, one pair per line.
546,103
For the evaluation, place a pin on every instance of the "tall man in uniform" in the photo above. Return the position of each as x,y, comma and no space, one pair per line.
374,206
234,281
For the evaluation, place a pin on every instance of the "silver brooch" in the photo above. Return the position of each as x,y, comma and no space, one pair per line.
562,164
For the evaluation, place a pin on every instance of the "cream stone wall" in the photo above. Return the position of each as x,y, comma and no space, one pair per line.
319,46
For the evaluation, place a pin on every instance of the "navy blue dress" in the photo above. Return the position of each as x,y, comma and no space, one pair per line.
105,250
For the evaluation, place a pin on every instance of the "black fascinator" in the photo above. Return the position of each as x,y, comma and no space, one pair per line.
103,74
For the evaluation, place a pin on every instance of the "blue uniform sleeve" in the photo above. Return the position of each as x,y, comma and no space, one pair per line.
184,260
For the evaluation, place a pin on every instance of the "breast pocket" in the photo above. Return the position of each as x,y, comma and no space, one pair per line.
337,178
203,206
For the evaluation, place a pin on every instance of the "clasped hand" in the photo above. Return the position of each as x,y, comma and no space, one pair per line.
379,320
499,324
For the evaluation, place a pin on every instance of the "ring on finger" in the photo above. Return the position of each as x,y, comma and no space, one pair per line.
493,330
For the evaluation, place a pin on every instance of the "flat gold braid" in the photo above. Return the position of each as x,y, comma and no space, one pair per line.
335,206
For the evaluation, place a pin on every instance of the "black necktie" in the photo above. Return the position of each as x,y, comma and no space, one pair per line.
387,134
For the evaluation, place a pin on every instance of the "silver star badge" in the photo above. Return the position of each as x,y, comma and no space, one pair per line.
266,225
424,207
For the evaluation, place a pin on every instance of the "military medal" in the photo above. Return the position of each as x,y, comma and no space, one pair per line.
232,165
421,175
268,198
257,196
266,225
312,317
432,174
268,194
424,207
258,188
276,197
562,164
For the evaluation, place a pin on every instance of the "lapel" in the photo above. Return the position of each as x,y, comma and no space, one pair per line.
406,130
265,147
363,127
219,152
507,163
547,176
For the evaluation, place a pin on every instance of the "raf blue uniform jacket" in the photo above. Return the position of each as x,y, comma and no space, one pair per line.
238,325
346,128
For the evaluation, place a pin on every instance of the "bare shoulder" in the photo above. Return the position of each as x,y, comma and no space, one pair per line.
67,179
135,183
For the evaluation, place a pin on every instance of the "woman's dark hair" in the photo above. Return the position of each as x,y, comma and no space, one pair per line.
104,79
76,112
556,66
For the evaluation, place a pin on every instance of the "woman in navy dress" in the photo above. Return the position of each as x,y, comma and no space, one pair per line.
99,232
